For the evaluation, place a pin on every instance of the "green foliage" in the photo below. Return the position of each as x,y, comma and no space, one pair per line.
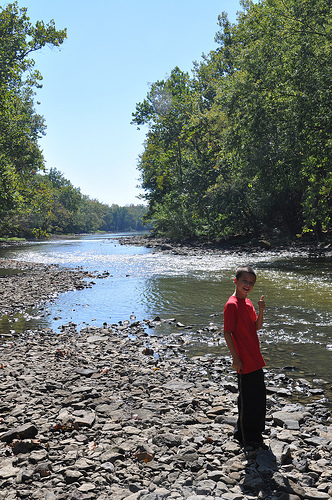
20,125
57,207
244,146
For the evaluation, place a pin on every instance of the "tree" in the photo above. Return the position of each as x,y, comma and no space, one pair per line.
279,110
20,125
244,146
178,163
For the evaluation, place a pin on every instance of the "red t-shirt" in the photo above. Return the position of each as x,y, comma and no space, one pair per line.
240,319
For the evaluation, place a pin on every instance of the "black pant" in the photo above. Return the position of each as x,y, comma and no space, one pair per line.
251,407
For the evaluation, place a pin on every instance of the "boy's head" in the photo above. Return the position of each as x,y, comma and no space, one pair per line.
244,269
244,280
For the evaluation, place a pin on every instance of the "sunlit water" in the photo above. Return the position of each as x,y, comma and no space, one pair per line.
192,289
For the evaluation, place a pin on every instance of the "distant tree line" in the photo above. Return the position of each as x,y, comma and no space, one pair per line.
244,145
63,209
34,203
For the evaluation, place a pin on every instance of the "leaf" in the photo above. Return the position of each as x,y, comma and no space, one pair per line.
144,456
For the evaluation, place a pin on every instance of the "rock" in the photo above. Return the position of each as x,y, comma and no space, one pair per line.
72,476
37,456
169,440
7,469
86,487
317,441
288,419
314,494
205,487
266,460
216,475
49,495
281,451
38,283
83,418
26,431
288,496
215,410
178,385
86,372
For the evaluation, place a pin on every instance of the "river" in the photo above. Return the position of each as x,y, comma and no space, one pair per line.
297,332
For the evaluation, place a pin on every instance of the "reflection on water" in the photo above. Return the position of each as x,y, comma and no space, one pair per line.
192,289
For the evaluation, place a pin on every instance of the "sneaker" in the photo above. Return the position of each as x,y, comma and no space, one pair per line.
257,445
238,437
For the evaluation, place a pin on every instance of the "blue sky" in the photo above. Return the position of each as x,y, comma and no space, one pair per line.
90,88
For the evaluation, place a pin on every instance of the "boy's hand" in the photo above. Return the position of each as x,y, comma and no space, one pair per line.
237,364
261,303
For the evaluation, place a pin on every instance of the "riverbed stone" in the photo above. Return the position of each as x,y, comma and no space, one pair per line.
7,469
25,431
38,456
290,420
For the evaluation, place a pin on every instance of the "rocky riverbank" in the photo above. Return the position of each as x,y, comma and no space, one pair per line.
117,412
25,285
196,247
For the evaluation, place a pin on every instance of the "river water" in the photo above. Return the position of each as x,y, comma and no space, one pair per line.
297,333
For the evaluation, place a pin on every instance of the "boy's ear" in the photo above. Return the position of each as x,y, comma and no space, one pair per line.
235,280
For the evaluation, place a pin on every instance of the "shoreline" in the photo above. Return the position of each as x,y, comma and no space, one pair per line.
238,244
119,413
189,247
34,284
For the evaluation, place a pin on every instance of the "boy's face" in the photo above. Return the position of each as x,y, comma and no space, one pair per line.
244,285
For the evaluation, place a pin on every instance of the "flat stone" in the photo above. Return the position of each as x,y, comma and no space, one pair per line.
313,494
86,372
216,475
84,464
266,459
186,457
286,435
280,450
49,495
178,385
108,466
292,425
316,441
167,439
37,456
131,430
72,476
84,418
7,470
96,338
26,431
108,409
86,487
84,388
216,410
282,417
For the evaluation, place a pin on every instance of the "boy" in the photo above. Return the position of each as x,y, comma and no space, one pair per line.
240,330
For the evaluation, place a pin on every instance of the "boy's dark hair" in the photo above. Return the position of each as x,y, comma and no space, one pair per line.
244,269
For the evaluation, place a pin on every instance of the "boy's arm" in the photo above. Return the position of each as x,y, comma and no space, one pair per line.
237,363
259,320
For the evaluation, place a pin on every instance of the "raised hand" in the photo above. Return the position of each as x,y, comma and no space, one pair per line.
261,303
